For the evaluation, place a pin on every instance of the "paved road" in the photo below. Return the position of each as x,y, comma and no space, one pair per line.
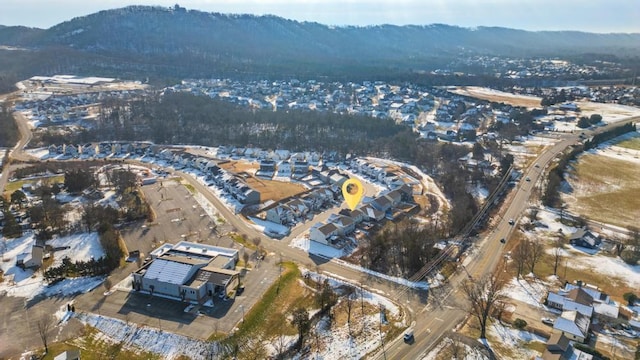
430,322
433,321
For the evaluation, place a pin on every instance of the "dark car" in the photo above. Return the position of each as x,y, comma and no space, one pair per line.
511,221
503,240
408,336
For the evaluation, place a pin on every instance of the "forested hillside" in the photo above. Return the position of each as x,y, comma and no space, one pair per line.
174,43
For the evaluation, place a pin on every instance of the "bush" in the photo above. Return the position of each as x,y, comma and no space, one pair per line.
519,323
631,257
630,298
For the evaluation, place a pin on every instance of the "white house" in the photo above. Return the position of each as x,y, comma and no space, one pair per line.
321,233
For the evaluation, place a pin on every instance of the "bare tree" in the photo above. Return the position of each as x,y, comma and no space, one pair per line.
557,253
245,258
44,325
536,250
256,241
482,295
349,305
520,256
107,284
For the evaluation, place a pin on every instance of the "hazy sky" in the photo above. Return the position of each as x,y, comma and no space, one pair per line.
585,15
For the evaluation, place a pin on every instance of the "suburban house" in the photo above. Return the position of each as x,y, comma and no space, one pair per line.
371,213
189,271
279,214
345,224
573,325
322,233
382,203
573,300
284,169
71,150
298,207
267,169
602,304
559,347
579,303
585,238
300,168
68,355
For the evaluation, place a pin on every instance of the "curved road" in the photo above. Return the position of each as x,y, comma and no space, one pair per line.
430,322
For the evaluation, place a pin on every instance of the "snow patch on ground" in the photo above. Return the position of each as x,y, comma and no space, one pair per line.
371,298
316,248
610,266
528,291
514,339
269,227
81,247
470,353
168,345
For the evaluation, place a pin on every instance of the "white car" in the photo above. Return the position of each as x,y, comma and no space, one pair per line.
547,321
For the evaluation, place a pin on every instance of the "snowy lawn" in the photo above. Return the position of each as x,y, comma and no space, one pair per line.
269,227
313,247
25,283
529,291
81,247
167,345
504,337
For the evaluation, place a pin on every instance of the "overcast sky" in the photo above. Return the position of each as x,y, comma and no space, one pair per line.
585,15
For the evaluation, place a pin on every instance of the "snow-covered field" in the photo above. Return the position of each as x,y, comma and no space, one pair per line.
81,247
513,339
529,290
166,344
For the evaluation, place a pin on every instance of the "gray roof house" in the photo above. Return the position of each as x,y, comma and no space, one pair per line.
573,325
585,238
321,233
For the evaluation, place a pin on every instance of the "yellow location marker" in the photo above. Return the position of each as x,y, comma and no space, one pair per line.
352,190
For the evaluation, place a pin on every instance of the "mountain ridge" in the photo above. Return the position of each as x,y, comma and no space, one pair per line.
177,37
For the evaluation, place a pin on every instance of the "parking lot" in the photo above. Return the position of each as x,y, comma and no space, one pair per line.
178,217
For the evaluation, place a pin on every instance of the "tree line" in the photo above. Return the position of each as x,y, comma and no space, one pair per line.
551,196
9,133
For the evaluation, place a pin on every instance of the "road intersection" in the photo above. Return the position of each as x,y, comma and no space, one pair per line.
429,322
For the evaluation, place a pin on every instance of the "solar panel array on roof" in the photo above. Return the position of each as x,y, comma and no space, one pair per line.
168,271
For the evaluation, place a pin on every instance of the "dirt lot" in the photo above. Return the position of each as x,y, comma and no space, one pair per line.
605,189
269,189
498,96
239,166
274,190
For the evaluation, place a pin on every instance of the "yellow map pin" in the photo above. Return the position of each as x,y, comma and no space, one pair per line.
352,190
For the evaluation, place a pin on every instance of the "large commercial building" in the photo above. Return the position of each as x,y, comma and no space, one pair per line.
189,271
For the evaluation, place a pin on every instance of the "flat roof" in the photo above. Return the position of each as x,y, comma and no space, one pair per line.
171,272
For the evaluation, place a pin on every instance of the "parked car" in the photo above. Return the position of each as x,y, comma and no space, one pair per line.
547,321
511,221
503,240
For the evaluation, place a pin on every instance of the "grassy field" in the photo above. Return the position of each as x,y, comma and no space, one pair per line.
16,185
633,143
274,190
606,190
